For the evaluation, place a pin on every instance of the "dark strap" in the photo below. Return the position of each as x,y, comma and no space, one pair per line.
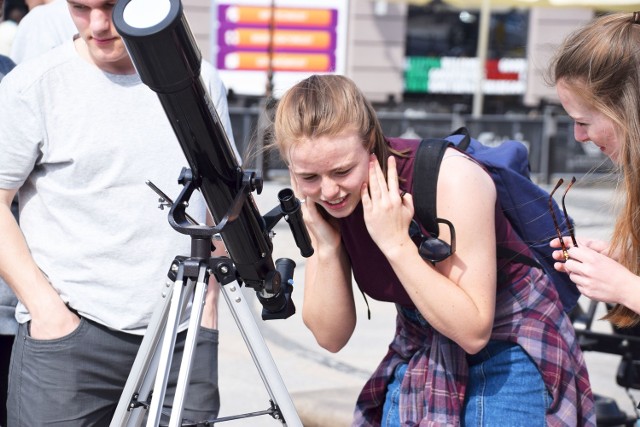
425,181
366,302
466,138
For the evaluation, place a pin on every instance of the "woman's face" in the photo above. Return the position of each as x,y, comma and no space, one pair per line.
590,124
330,171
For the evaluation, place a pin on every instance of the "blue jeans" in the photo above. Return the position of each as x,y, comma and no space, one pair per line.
504,384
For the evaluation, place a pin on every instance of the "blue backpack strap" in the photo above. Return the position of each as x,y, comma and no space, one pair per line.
425,181
524,203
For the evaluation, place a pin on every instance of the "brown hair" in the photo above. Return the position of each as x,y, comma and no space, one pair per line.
327,105
601,63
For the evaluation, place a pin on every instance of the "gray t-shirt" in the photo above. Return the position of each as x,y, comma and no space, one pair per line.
80,144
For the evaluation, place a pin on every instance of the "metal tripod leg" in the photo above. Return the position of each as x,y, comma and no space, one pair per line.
190,344
168,344
260,354
152,364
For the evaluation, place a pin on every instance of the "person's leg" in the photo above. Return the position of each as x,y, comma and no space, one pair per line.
202,400
6,343
75,380
505,384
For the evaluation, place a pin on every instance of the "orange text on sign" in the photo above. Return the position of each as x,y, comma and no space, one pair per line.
280,61
283,39
262,15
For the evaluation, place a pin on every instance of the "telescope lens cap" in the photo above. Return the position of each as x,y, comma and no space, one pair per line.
145,13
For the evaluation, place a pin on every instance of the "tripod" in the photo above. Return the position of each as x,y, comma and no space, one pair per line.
188,277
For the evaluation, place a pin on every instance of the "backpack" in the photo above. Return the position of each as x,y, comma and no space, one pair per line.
524,203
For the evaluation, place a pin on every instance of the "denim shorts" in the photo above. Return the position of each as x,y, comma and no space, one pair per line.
505,384
390,410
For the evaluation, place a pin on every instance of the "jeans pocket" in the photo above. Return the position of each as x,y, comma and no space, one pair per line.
35,344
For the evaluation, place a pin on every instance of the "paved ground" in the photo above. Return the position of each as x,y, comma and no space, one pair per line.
323,386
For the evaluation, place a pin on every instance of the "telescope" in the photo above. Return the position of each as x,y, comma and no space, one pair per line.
165,55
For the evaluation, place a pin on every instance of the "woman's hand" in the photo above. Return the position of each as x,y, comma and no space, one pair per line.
598,276
599,246
322,228
387,214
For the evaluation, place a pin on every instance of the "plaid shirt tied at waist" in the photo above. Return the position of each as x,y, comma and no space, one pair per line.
433,389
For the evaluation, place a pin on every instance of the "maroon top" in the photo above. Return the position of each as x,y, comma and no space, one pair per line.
372,271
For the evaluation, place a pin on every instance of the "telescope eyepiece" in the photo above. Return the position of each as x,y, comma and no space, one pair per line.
290,206
288,202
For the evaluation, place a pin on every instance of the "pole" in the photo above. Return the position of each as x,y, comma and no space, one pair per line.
270,46
483,43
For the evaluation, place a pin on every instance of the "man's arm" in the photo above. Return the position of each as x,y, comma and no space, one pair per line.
50,317
210,311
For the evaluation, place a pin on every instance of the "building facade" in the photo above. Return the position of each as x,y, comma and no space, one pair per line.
398,53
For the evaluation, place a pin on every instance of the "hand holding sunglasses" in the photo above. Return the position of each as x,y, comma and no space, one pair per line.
565,249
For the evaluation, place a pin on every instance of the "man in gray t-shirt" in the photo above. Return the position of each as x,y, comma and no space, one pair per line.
79,136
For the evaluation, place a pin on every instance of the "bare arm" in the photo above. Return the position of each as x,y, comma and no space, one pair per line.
457,297
328,305
50,317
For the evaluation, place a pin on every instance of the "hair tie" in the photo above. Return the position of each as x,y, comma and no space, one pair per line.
636,17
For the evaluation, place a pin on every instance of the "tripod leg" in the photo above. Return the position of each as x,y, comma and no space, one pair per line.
178,302
260,354
138,385
189,347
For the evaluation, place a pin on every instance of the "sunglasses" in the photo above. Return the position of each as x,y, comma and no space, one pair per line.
432,248
568,221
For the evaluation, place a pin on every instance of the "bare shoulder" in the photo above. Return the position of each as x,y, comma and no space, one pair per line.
462,175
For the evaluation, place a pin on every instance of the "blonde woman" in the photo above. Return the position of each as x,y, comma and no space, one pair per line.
597,77
479,340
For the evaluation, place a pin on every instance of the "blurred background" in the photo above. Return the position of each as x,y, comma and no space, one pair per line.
429,66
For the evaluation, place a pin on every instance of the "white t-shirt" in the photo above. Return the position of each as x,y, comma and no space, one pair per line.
8,30
43,28
80,144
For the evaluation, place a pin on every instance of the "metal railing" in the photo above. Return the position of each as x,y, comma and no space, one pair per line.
549,137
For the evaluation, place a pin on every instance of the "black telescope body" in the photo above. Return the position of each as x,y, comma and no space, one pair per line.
167,59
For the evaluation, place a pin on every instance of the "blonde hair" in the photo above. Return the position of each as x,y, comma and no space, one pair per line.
601,63
327,106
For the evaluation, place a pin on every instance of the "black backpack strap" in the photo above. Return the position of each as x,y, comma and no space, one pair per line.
466,138
425,181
